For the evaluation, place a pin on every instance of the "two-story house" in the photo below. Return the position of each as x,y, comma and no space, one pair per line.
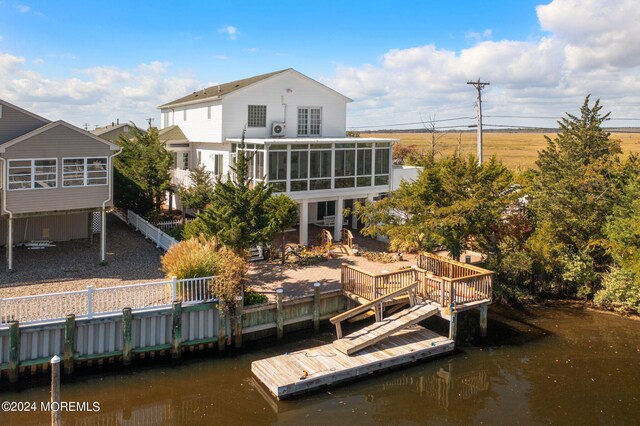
53,178
295,132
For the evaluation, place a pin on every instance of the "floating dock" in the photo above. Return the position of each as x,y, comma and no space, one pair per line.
311,369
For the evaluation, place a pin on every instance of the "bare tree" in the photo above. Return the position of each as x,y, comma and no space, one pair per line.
430,127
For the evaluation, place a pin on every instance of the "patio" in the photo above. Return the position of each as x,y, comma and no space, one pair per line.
266,277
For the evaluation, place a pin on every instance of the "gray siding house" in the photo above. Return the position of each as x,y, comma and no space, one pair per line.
53,178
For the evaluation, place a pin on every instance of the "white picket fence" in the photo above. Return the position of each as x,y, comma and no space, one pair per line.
155,234
94,302
168,225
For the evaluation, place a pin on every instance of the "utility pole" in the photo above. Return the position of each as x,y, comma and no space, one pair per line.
479,86
86,126
150,120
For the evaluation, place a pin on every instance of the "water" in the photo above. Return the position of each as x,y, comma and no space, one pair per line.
549,365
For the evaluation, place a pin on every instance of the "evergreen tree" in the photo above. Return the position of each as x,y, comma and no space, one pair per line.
237,215
199,193
283,214
452,200
141,171
578,182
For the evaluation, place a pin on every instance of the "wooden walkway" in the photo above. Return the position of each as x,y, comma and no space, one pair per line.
377,331
310,369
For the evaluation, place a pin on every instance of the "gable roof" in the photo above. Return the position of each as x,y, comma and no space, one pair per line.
221,90
24,111
50,126
172,133
106,129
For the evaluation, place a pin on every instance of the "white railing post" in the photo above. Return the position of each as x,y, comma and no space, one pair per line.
174,288
90,302
1,321
158,238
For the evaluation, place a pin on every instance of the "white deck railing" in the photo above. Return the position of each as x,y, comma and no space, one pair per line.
181,177
155,234
93,302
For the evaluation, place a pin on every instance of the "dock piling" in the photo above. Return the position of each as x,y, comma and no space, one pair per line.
484,310
126,336
14,351
238,331
56,419
316,306
279,313
69,339
176,330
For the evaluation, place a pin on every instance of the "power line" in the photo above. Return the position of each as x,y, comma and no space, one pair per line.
411,124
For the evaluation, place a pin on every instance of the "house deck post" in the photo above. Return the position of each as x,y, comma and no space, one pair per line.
103,235
10,244
337,226
304,223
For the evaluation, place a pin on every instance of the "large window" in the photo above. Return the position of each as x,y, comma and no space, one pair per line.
84,171
181,160
345,165
309,121
299,168
217,164
278,170
320,169
382,166
257,116
33,174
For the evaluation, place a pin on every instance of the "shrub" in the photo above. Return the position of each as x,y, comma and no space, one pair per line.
251,297
195,229
620,291
228,284
192,258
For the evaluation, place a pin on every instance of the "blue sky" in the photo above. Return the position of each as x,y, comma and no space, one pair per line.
401,61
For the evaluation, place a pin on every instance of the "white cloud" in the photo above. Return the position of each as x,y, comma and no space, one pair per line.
96,95
474,36
230,31
23,8
222,57
591,47
250,49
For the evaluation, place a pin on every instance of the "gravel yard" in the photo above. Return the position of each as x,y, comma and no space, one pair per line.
74,265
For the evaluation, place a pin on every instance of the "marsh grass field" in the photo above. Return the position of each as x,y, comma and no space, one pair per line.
518,150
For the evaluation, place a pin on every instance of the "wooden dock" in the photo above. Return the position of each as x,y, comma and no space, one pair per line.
377,331
311,369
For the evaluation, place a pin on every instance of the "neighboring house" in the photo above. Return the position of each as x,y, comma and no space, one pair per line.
54,177
295,131
113,131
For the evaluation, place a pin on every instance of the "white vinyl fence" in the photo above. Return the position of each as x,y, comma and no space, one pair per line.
168,225
94,302
155,234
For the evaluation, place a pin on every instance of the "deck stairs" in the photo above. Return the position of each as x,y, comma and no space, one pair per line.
374,333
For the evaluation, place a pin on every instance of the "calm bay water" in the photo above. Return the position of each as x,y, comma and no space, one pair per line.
547,365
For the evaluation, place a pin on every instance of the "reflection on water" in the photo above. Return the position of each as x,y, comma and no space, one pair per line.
545,366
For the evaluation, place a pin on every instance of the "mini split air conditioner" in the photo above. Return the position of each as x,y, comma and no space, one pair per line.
278,129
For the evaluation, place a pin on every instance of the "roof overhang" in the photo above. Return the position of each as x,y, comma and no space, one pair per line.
50,126
269,141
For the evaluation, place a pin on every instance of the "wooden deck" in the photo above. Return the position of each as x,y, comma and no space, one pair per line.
311,369
377,331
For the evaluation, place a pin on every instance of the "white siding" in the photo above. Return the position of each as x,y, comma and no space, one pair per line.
272,92
198,127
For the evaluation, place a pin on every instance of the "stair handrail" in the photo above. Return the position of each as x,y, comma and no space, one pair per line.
337,320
